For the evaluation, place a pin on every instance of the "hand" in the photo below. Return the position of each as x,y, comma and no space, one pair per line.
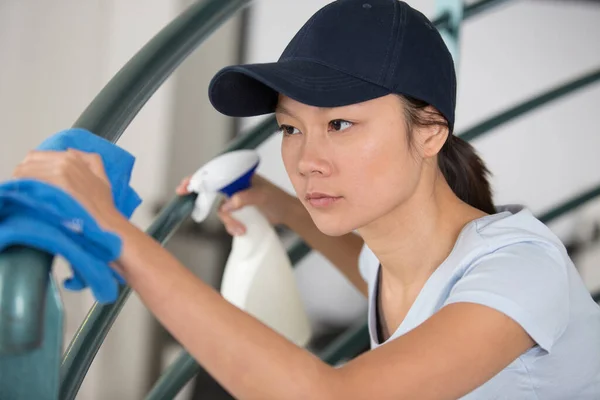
79,174
272,201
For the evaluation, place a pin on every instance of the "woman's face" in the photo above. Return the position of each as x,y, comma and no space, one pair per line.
351,165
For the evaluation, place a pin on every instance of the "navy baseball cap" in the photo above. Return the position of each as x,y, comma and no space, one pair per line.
350,51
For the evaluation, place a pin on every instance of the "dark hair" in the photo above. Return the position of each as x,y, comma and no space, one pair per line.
462,168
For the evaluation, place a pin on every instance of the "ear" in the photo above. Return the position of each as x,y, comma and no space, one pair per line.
433,137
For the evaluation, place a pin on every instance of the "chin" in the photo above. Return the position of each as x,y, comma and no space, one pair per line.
332,226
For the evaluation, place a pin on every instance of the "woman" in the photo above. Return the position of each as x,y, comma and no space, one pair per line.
467,300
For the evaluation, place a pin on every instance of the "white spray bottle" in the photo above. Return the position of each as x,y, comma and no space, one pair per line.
258,276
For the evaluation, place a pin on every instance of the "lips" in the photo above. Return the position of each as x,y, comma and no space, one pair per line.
321,200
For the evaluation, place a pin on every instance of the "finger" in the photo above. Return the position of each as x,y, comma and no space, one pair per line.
93,161
65,161
59,170
51,156
227,219
40,154
239,200
36,157
182,188
235,230
38,170
55,161
232,225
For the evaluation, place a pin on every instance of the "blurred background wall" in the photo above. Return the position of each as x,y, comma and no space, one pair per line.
56,56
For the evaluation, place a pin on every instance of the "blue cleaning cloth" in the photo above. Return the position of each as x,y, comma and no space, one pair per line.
118,163
45,217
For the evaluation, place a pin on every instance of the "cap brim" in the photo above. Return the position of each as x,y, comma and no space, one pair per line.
253,89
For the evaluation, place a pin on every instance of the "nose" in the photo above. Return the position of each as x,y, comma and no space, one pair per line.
313,160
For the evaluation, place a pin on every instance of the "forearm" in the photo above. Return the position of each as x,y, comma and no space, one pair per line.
249,359
341,251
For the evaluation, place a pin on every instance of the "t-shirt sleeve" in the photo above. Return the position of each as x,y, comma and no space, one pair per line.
528,282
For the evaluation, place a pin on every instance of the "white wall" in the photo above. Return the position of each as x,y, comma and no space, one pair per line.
56,56
507,55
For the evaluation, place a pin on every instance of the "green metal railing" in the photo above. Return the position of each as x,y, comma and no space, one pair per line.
530,105
109,114
24,271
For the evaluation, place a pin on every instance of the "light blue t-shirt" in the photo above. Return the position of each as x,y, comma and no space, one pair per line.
513,263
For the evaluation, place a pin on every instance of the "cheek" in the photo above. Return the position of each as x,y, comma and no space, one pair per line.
384,174
289,156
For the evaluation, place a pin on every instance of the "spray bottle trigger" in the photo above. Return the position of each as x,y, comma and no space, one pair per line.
203,204
205,197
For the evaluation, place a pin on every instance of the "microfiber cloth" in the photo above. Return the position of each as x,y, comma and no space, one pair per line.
118,163
47,218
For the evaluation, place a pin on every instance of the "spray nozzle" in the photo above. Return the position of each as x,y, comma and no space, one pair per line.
228,173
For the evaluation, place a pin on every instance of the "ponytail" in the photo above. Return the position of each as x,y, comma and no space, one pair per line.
466,174
458,161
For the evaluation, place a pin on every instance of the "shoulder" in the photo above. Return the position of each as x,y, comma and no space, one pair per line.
512,237
520,269
514,225
516,242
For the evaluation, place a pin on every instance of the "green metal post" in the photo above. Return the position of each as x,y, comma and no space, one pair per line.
34,374
20,312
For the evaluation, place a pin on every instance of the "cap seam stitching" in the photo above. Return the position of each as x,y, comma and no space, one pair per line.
382,77
400,41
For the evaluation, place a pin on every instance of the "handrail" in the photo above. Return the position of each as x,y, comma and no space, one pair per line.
529,105
482,6
348,344
112,110
107,116
570,205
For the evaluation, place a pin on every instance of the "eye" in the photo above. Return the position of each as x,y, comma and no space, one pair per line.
339,125
288,130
